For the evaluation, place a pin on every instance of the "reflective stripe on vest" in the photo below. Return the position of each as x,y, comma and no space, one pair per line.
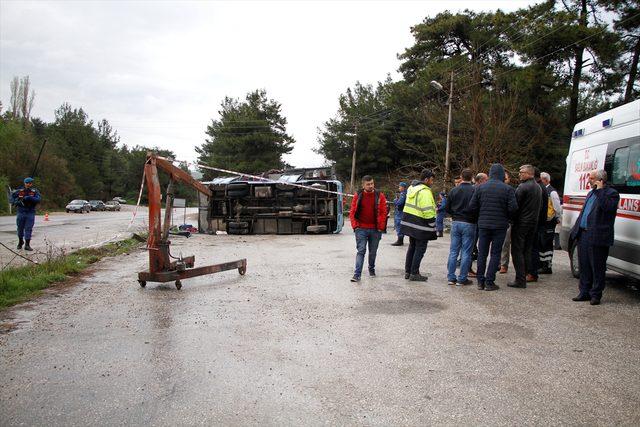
416,226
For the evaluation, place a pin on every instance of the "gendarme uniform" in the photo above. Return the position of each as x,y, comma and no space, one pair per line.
419,214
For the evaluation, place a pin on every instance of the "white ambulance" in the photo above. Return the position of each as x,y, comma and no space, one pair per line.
609,141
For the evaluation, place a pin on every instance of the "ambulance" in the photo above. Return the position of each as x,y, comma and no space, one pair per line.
609,141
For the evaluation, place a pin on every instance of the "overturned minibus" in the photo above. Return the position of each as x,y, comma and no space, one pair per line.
296,201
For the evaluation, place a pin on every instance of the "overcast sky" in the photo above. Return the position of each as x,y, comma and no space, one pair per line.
158,71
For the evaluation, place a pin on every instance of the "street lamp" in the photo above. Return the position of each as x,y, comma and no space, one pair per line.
438,86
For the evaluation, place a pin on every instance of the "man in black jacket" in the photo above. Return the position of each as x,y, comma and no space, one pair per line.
494,203
463,230
538,241
523,230
593,232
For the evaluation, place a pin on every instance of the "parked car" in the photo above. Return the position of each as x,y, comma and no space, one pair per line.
81,206
112,206
120,200
97,205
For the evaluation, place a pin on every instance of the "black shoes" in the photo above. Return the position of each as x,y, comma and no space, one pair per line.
398,242
355,279
372,273
407,275
545,271
581,298
27,246
418,278
594,301
480,286
20,243
517,285
465,283
491,287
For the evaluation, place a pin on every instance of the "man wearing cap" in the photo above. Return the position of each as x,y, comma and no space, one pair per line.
25,199
397,213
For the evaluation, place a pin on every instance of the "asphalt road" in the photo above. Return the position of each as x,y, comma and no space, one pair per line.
294,342
71,231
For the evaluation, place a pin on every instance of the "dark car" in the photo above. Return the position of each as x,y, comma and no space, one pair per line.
81,206
97,205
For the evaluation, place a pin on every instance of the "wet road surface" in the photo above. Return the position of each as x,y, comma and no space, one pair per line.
71,231
294,342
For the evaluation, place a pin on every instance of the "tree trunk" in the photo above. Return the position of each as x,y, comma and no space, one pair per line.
632,72
577,72
477,121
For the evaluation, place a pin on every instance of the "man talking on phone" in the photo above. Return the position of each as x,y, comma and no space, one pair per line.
593,232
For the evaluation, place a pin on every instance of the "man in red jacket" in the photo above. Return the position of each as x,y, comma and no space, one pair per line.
368,217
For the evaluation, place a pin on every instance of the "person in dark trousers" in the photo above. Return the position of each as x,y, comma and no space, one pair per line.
593,233
554,215
441,212
506,246
494,203
463,230
397,212
523,229
419,223
480,179
368,216
25,199
541,229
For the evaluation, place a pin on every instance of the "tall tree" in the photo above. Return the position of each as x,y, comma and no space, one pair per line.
362,118
250,136
627,24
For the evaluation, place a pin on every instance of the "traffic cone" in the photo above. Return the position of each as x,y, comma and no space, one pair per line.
46,216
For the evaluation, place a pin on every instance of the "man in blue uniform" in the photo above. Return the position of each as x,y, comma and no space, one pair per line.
25,199
397,213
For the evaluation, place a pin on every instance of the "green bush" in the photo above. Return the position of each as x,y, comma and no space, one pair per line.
4,195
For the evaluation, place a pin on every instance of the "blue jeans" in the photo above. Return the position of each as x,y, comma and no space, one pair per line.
462,238
25,221
415,252
366,236
489,239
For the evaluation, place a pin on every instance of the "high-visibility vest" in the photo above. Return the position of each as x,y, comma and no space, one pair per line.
419,213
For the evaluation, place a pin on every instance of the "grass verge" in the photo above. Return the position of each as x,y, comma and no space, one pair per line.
22,283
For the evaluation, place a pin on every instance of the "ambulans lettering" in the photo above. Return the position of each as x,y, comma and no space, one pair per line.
632,205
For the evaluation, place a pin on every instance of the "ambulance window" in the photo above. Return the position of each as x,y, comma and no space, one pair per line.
620,161
633,167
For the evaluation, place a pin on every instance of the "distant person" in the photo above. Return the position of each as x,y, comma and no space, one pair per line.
401,197
441,206
506,246
554,217
494,203
480,179
523,229
532,273
419,223
25,199
593,232
463,230
368,216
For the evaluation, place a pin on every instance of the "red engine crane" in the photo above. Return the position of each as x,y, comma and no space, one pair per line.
161,268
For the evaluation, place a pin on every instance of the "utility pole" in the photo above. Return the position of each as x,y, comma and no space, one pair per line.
353,159
446,155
